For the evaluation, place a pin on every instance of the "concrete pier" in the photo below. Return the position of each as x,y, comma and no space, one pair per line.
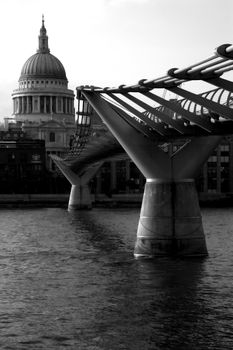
80,195
80,198
170,220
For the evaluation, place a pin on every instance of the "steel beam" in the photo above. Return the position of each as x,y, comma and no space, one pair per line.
178,125
141,150
221,83
142,128
213,106
201,121
158,127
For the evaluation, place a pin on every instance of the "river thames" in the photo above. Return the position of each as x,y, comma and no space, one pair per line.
70,281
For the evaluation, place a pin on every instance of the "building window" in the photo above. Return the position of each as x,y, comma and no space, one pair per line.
224,148
37,167
52,137
224,159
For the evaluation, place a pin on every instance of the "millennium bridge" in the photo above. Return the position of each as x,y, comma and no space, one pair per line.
140,121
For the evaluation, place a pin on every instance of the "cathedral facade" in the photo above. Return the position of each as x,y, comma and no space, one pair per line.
43,104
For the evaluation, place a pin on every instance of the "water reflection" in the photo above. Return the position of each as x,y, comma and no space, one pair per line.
95,233
102,230
173,291
152,302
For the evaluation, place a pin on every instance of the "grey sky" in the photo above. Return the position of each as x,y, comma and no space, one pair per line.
111,42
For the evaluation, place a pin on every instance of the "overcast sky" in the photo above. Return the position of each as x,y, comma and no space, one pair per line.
110,42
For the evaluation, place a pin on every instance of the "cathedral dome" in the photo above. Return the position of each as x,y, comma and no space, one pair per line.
43,64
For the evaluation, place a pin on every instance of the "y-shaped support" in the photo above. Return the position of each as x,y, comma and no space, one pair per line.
170,220
80,196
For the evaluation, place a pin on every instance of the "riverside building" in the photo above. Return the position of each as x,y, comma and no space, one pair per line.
214,181
22,163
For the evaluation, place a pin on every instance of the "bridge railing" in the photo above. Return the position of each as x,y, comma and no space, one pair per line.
83,130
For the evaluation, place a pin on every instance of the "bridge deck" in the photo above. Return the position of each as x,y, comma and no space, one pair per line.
186,115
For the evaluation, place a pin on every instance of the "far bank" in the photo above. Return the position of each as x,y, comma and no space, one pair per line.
100,200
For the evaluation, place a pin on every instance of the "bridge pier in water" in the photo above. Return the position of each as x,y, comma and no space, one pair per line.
170,220
80,194
80,198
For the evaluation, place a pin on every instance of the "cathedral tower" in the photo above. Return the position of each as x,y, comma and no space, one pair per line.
43,104
43,87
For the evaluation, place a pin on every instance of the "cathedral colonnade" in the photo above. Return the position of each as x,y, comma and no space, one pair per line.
43,104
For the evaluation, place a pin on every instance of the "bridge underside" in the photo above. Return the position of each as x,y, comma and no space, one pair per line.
141,120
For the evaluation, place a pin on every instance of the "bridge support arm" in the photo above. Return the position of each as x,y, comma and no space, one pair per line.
80,196
187,162
144,152
170,219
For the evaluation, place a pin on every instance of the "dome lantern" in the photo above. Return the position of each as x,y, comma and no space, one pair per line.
43,39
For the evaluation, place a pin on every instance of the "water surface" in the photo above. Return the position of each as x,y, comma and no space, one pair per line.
70,281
